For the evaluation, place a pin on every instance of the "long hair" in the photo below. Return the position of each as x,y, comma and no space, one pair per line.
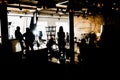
61,29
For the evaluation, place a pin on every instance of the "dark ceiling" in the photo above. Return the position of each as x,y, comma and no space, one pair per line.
93,6
75,4
48,3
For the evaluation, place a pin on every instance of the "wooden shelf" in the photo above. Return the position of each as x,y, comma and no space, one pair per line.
51,32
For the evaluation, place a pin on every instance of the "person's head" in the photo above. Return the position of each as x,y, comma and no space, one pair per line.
27,29
61,29
18,27
67,33
83,41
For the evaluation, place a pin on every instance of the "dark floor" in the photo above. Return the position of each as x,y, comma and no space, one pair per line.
36,64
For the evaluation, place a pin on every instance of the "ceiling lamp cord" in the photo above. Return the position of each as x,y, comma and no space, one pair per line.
19,5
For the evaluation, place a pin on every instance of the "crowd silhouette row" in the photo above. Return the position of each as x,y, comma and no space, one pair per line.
88,45
28,37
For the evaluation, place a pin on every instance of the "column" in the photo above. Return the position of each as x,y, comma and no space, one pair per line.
71,23
4,25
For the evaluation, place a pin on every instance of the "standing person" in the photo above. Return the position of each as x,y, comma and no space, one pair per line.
61,39
40,35
19,36
29,39
49,45
83,48
67,38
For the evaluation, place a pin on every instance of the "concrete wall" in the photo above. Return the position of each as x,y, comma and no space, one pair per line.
88,24
81,25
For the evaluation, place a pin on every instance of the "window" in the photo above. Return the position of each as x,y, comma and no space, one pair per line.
41,26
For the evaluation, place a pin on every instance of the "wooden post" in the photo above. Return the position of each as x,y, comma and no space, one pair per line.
71,23
4,25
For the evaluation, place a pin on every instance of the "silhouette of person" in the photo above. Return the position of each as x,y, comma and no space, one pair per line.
92,39
83,47
49,46
92,49
40,35
19,36
61,39
29,39
67,38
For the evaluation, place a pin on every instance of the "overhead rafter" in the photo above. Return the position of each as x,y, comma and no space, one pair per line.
92,6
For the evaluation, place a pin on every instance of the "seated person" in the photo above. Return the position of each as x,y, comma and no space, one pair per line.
49,45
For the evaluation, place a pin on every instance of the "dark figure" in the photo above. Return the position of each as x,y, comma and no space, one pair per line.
83,46
92,39
29,39
92,48
61,40
67,38
49,45
19,36
40,35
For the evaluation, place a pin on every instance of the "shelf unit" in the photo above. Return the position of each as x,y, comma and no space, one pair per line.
51,32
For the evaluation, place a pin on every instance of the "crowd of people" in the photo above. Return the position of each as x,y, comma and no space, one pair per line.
62,39
28,37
